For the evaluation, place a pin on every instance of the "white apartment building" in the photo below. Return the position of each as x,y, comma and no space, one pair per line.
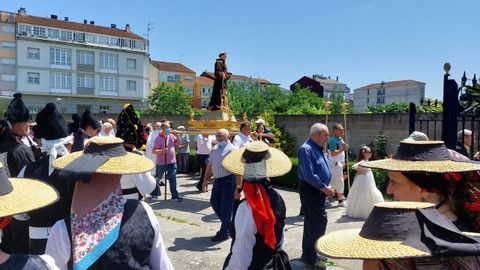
331,85
387,93
80,65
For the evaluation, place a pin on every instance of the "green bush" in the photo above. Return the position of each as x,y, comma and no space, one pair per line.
380,176
291,178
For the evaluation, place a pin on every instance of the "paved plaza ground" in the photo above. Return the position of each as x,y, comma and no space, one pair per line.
187,226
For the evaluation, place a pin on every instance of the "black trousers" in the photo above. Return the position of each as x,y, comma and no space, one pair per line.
314,221
202,161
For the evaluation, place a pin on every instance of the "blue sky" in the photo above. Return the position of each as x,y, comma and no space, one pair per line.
362,42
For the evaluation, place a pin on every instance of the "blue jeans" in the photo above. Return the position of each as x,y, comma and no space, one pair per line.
172,179
222,201
315,219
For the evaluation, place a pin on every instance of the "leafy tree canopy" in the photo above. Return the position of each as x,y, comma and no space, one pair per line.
169,99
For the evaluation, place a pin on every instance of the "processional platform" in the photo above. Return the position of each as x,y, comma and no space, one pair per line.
210,121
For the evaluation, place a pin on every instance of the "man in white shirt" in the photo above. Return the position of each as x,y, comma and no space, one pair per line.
243,137
223,186
107,129
204,147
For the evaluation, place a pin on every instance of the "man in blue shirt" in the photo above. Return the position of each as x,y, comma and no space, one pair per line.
314,176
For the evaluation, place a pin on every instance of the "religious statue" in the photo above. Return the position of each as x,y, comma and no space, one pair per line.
219,99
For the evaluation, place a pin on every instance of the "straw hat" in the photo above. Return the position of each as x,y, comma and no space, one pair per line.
19,195
397,230
424,156
124,163
276,162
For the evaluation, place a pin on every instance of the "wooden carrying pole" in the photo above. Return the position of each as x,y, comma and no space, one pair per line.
344,107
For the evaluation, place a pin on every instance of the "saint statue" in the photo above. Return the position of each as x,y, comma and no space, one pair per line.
219,99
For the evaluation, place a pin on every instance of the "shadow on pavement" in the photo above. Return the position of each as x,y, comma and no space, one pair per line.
347,219
195,244
292,220
210,218
187,205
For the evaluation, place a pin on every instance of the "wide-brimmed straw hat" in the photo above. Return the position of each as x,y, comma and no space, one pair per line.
104,155
19,195
423,156
400,230
264,161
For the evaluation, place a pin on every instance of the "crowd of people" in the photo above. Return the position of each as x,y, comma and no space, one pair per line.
73,195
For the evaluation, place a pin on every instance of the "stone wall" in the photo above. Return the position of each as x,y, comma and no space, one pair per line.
361,128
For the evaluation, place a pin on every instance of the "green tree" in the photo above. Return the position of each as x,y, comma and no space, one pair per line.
304,101
283,140
169,99
401,107
337,100
253,98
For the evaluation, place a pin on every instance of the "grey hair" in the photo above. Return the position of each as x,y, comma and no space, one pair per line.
318,128
466,132
223,131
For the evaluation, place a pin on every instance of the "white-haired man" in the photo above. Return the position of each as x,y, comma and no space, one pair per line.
106,130
223,186
464,142
314,176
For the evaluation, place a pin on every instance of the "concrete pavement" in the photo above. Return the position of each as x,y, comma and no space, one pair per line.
187,226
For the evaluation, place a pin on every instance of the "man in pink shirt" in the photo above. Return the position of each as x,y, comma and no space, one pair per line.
164,147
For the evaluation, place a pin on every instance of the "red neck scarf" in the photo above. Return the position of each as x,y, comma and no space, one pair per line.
262,212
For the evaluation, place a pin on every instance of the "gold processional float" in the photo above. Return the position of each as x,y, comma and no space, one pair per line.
210,121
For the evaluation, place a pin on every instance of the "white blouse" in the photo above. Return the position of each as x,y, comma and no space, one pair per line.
58,245
144,182
245,230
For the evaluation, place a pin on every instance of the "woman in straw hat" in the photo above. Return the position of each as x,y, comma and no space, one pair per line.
425,171
405,236
105,230
19,196
260,218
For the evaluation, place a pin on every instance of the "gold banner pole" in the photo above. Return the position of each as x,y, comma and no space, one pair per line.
344,107
327,105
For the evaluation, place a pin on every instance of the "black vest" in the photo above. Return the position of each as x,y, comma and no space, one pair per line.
262,253
25,262
47,216
134,244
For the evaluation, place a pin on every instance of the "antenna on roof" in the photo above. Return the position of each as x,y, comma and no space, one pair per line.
149,29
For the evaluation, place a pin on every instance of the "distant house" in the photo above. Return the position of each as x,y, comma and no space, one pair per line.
307,82
323,86
174,73
241,79
388,92
204,86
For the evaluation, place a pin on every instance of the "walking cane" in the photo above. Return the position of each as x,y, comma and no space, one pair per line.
344,107
165,164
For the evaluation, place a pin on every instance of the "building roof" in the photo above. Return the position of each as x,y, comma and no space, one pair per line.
237,78
91,28
204,80
391,84
170,66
